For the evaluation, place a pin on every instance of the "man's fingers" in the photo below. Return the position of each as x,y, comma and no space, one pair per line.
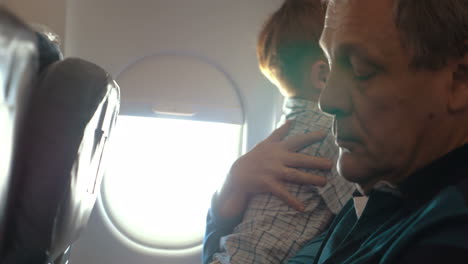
301,177
280,191
300,141
279,133
303,161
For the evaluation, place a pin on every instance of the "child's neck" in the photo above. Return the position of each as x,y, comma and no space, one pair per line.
312,96
307,93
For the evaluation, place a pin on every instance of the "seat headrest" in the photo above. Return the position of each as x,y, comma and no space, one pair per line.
73,109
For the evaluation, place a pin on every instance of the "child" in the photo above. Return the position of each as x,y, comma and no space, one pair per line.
290,56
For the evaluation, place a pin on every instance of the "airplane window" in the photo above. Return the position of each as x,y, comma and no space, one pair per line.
161,177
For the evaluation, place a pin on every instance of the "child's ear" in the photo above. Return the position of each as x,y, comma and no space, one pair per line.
319,74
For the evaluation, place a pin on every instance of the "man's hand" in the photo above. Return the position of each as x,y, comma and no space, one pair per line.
266,167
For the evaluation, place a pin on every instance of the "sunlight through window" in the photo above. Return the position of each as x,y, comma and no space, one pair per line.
161,177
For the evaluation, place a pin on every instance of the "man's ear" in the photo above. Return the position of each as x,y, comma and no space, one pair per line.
458,99
319,74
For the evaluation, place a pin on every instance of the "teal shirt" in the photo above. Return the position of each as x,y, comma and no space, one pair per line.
307,254
426,223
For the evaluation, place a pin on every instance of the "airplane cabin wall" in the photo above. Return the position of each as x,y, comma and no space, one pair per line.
46,12
113,33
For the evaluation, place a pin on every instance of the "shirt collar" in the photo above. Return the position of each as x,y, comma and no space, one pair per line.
360,199
381,186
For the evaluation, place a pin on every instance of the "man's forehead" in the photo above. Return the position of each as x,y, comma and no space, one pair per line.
359,11
359,21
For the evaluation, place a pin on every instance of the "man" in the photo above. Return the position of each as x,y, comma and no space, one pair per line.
398,88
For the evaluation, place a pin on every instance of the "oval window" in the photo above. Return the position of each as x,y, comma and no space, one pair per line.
170,154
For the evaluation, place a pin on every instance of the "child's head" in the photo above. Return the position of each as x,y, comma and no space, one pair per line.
288,49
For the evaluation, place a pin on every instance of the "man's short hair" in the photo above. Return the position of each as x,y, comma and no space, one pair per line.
289,39
435,30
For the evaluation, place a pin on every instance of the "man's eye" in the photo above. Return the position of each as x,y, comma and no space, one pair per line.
363,71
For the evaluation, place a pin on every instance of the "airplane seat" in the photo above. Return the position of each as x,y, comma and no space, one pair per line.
58,171
18,66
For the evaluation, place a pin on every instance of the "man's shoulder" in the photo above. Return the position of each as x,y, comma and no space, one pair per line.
438,229
447,214
451,202
439,232
443,220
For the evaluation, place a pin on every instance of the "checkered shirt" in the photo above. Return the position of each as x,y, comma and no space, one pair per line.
271,231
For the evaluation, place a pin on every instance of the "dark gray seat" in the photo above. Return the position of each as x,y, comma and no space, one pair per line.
60,165
18,66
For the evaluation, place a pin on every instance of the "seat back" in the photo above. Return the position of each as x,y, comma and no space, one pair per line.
18,66
58,172
87,171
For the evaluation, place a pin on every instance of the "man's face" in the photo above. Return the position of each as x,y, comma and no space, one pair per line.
387,114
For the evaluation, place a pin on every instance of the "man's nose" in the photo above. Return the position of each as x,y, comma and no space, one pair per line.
335,98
